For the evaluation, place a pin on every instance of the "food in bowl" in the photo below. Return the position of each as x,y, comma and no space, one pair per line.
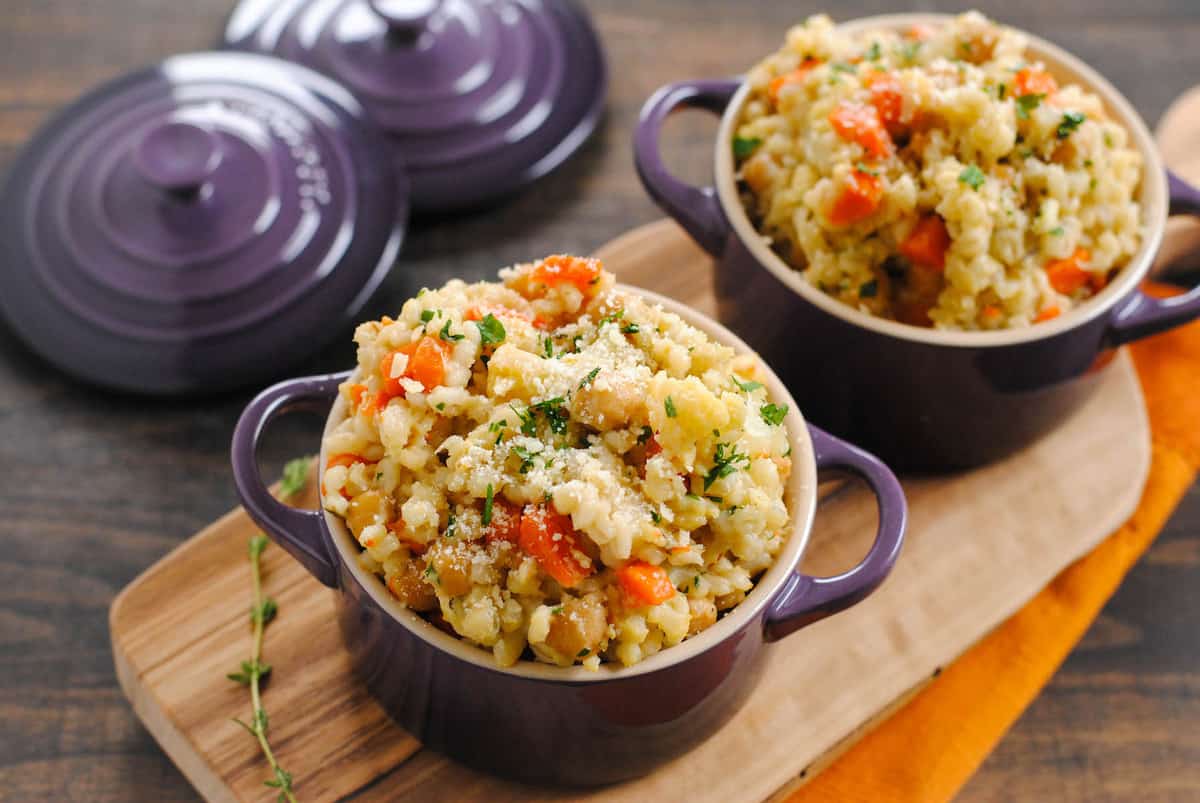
551,466
936,176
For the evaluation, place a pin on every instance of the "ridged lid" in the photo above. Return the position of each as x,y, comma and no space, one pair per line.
197,225
478,97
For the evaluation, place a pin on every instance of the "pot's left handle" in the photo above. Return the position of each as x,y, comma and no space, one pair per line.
300,532
1143,315
697,209
805,599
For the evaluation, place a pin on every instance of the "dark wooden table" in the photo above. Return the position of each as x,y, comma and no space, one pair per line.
96,487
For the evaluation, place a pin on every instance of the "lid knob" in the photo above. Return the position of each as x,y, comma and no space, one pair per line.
177,156
405,17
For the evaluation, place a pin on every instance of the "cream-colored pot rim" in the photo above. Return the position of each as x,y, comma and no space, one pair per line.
1153,199
800,497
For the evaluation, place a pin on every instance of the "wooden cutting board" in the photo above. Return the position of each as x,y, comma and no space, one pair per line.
980,545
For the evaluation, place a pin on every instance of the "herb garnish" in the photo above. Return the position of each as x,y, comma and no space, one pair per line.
908,51
726,460
445,334
491,331
869,289
1058,231
590,378
528,424
1027,103
582,652
555,413
746,387
773,413
630,329
873,53
548,347
526,457
645,435
669,406
745,146
451,525
487,506
262,611
1070,121
972,176
863,168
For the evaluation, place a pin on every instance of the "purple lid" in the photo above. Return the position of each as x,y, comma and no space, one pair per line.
197,225
479,97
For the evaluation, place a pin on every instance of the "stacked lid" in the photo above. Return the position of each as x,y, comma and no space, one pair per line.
204,223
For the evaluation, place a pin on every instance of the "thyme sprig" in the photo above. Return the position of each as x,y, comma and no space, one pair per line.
263,610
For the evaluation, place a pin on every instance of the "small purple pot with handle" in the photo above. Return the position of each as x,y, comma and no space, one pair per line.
570,725
922,399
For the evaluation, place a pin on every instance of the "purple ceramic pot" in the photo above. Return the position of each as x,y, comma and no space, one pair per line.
922,399
545,723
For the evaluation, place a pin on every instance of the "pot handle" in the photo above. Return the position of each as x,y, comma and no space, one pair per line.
300,532
805,599
697,209
1142,315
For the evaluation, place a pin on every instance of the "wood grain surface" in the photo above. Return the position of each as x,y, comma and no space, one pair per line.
1029,516
99,486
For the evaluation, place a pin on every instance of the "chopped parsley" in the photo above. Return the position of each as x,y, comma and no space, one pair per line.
669,406
726,460
966,47
585,651
972,176
548,347
1087,163
440,406
431,574
1027,103
526,458
556,610
839,66
1070,121
655,517
873,52
743,147
869,289
908,51
863,168
746,387
611,317
1058,231
645,435
528,424
491,331
1001,91
590,378
773,413
630,329
445,334
451,526
555,413
427,315
487,506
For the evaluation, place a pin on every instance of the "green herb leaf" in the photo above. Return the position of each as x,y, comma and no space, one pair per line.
590,378
746,387
630,329
264,612
908,51
295,477
726,460
451,526
655,517
426,315
487,506
445,333
773,414
669,406
555,413
869,289
873,52
1070,121
528,423
258,542
1027,103
1001,91
1057,231
556,610
863,168
743,147
585,651
645,435
491,331
972,176
840,66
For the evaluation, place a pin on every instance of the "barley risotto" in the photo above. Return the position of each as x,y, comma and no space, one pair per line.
936,176
552,467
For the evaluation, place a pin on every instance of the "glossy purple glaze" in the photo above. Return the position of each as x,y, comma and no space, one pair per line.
197,225
919,405
603,729
478,97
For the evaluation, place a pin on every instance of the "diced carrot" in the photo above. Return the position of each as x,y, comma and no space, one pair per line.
551,539
505,524
991,312
1047,313
346,459
677,550
794,77
560,268
927,243
1034,82
355,394
855,122
920,32
858,200
396,528
914,312
644,583
888,99
426,364
1067,275
653,447
479,312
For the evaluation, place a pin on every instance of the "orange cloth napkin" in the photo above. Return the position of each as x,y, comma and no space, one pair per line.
928,749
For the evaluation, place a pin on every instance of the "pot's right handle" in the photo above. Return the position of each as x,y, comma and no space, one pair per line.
300,532
697,209
805,599
1143,315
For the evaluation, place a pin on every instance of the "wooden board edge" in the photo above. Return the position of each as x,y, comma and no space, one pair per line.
169,737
